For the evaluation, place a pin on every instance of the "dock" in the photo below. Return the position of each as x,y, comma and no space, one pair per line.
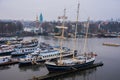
52,75
111,44
13,61
9,63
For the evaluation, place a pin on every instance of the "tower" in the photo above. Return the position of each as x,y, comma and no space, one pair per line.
37,21
41,18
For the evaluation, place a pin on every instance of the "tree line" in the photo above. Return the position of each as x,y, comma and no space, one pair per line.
10,27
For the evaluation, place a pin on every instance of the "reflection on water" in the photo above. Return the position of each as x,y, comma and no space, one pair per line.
4,67
31,67
78,75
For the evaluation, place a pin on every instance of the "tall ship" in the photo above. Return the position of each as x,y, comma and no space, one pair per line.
76,62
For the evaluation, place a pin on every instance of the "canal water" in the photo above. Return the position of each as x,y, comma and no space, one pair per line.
109,55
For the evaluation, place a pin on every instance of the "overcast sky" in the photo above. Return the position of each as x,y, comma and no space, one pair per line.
51,9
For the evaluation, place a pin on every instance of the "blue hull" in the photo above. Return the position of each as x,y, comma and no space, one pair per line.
30,63
20,54
6,53
54,68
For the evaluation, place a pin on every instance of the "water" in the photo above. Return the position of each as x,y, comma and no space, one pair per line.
108,54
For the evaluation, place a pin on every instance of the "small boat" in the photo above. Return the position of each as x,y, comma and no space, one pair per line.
44,45
25,48
6,49
23,51
6,39
7,60
23,44
32,43
111,44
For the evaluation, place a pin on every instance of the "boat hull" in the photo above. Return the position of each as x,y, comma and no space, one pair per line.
5,53
54,68
26,63
19,54
8,63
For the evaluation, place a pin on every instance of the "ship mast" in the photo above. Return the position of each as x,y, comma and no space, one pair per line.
77,17
62,35
86,36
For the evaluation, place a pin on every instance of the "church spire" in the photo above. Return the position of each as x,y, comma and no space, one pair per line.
36,18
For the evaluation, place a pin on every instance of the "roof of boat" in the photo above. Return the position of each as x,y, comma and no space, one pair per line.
49,53
72,60
4,45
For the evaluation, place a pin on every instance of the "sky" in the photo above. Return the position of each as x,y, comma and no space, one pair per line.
51,9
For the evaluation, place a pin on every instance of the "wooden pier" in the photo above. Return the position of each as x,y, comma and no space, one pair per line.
13,61
52,75
9,63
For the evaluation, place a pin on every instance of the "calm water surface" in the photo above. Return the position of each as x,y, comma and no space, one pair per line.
109,55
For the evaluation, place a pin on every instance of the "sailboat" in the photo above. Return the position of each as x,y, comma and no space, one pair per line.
76,62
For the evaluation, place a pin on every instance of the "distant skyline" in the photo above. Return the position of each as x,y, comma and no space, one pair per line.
51,9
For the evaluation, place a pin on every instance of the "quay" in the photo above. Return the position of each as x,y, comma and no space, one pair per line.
52,75
111,44
11,62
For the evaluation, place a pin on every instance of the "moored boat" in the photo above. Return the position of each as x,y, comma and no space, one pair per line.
6,39
7,60
31,43
6,49
70,64
111,44
23,44
42,56
23,51
25,48
76,62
